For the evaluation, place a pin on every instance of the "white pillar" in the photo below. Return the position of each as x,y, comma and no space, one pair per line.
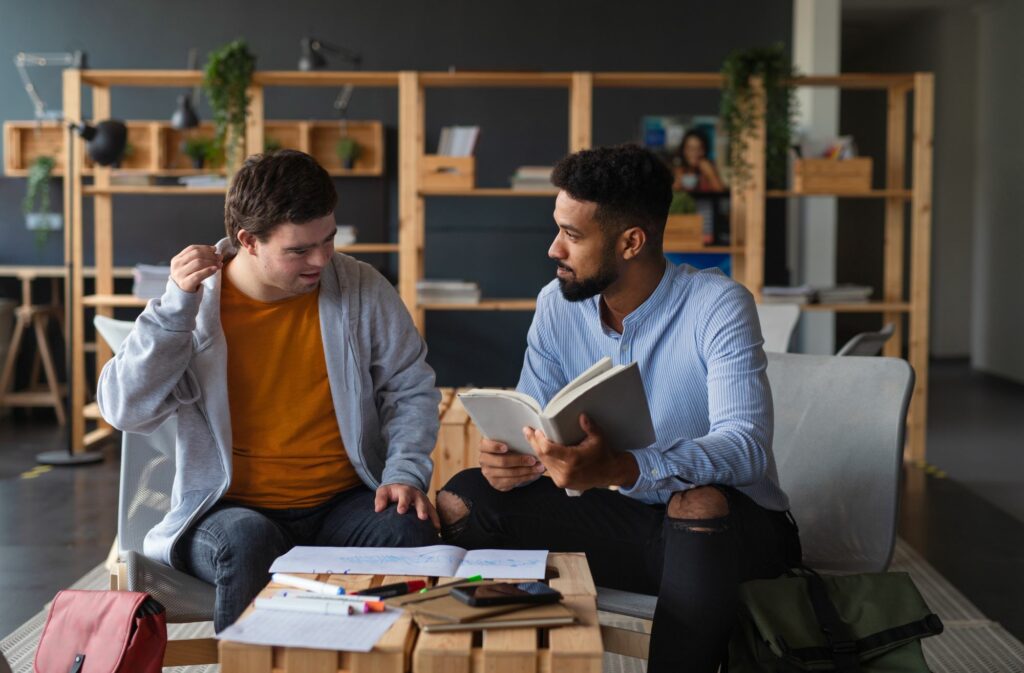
811,225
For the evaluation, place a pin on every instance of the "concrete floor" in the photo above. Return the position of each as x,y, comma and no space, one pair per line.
56,525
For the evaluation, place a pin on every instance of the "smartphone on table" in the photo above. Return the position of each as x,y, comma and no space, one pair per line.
506,593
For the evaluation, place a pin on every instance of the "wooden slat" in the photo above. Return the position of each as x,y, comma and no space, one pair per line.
33,272
302,660
856,80
626,642
357,248
115,300
753,194
329,78
577,649
410,204
254,121
659,80
573,574
491,191
450,456
191,652
581,103
239,658
510,650
496,79
860,307
869,194
920,260
485,305
74,289
443,653
895,218
436,481
154,190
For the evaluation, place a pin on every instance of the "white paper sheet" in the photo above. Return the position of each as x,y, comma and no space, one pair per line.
434,561
356,633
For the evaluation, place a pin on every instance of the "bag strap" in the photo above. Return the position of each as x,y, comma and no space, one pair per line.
840,640
76,667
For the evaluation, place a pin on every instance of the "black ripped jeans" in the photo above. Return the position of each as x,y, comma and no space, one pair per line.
693,566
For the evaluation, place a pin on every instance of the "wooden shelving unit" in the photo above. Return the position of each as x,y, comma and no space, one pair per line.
747,219
157,152
747,225
157,148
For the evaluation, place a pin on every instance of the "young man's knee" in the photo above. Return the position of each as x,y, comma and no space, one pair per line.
703,503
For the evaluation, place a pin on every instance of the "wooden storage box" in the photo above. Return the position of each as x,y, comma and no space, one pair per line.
684,231
24,142
442,173
830,176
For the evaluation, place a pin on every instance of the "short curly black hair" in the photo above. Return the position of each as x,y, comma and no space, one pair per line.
630,185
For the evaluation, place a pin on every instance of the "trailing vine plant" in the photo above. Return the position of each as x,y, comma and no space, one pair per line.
226,80
775,69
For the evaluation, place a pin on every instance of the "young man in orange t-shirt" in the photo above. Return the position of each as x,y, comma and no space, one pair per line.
306,410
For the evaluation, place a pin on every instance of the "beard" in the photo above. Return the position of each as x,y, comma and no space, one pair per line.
576,289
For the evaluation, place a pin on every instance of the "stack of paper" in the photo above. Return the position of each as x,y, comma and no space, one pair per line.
532,177
844,294
774,294
458,141
150,280
350,633
447,292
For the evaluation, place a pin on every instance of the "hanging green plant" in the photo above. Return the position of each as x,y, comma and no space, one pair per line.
37,188
774,67
226,80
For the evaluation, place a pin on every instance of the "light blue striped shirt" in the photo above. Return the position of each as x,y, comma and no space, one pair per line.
698,342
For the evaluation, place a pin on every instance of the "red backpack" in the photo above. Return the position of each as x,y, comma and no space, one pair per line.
103,632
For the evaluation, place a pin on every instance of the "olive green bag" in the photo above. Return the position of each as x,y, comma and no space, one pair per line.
867,623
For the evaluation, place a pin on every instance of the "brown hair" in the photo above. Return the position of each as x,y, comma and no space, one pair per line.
274,188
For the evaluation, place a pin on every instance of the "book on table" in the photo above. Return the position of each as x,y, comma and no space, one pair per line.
447,614
612,396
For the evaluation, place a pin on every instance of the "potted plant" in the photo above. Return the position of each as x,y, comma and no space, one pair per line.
348,151
775,70
200,150
36,204
684,227
271,144
226,80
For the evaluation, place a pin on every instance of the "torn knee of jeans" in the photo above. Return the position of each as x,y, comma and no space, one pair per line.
452,509
716,525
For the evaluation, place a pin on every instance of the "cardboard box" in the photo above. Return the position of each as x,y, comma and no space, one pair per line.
444,173
832,176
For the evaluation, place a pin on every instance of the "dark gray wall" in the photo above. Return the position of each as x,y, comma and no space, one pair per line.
500,243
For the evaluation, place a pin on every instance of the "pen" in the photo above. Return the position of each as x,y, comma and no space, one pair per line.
466,580
309,585
375,605
396,589
320,607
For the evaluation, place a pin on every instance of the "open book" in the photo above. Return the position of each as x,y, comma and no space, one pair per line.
434,561
612,396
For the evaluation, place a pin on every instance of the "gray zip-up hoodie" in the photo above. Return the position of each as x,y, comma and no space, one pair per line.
174,362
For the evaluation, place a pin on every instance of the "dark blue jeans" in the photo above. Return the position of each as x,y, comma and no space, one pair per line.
694,566
232,547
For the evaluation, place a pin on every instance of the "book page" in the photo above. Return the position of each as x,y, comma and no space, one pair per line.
598,368
434,561
501,416
355,633
508,564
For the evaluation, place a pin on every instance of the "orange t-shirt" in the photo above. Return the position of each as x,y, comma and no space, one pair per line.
287,450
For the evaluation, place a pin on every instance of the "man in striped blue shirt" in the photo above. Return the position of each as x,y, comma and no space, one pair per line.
698,511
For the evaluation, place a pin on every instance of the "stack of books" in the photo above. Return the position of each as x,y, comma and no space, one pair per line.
150,280
775,294
458,141
532,177
447,292
844,294
204,180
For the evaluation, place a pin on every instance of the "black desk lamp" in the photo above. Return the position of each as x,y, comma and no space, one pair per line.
105,142
313,58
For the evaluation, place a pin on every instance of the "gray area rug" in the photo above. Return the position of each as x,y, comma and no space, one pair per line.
971,643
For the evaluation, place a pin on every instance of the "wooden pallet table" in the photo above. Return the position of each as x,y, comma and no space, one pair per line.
403,649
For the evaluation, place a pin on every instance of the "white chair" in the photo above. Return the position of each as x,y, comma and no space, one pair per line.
868,343
838,444
147,472
777,324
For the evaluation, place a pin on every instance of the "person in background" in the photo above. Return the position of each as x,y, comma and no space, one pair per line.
692,170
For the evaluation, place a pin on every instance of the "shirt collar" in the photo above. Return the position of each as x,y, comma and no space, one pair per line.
651,304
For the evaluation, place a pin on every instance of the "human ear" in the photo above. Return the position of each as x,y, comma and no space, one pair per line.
633,239
247,241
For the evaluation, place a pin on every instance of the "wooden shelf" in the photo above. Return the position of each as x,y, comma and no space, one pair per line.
496,79
486,305
368,247
92,412
659,80
491,191
114,301
153,190
860,307
870,194
706,249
